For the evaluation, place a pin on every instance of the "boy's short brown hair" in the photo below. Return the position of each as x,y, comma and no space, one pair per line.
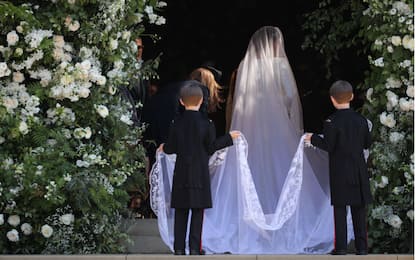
191,93
341,91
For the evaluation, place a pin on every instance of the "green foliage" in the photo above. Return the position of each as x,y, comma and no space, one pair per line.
69,151
384,31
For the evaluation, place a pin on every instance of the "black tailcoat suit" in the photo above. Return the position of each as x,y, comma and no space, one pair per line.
192,138
346,135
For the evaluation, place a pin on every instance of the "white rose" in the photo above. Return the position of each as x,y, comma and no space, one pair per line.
396,40
71,2
410,214
26,229
19,29
18,77
126,35
161,4
46,231
102,110
84,92
369,93
12,38
13,235
23,128
10,103
139,17
13,220
85,65
1,219
88,132
152,18
394,221
113,44
393,83
74,26
67,219
408,42
410,92
4,70
148,9
387,119
160,20
79,133
2,140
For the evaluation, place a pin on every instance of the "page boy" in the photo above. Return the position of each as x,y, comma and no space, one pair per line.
192,138
345,136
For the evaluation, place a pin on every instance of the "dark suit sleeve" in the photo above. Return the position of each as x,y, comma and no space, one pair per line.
328,142
170,146
367,138
214,143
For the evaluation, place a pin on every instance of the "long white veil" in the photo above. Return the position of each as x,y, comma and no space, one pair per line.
270,195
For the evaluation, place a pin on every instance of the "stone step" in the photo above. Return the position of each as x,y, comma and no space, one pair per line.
206,257
147,245
141,227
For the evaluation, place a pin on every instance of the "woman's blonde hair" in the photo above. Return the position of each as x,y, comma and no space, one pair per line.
207,78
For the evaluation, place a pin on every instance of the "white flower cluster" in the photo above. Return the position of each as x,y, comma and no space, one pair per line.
60,114
26,228
80,133
74,82
91,159
154,18
15,95
35,37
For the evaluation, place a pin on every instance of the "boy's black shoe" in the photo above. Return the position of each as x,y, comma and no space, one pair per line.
197,252
361,252
179,252
338,252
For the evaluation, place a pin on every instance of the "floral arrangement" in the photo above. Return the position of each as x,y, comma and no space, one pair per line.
384,31
68,147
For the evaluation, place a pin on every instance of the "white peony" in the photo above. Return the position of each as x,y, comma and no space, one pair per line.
59,41
26,229
408,42
74,26
46,231
102,110
101,80
10,103
1,219
67,219
13,220
84,92
387,119
410,214
23,128
410,91
394,221
13,235
18,77
396,40
12,38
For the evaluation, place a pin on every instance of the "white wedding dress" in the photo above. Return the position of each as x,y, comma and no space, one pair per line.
270,194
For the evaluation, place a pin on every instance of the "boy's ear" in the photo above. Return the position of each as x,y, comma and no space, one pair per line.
334,102
352,96
180,100
200,101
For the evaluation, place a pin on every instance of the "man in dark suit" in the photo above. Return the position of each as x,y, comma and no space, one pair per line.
192,138
345,136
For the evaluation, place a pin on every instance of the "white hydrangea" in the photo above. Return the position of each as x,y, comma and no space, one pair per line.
4,70
396,137
379,62
384,181
410,91
406,104
394,221
113,44
23,128
161,4
126,119
392,99
148,9
402,8
392,82
35,37
18,77
160,20
387,119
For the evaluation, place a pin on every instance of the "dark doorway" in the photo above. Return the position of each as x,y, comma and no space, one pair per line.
218,31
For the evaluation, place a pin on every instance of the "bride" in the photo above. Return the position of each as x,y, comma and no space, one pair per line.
270,196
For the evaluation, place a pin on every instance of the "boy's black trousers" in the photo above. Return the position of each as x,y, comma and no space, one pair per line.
360,227
195,232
